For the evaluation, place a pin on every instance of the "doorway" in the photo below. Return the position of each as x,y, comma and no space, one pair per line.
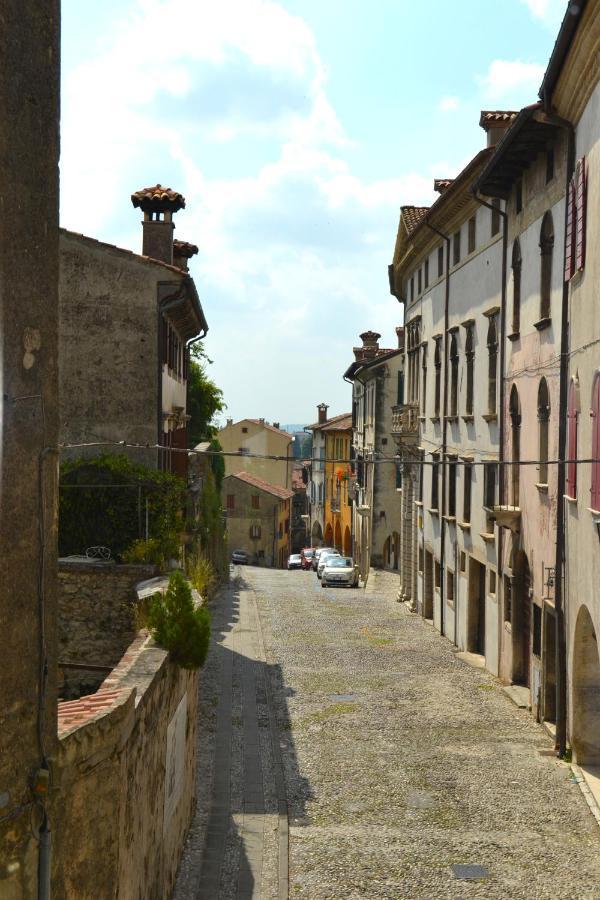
586,696
521,623
428,587
549,657
476,608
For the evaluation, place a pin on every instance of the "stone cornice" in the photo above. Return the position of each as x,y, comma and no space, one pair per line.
581,71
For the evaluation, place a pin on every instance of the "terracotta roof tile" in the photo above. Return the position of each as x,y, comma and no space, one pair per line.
493,117
73,713
255,481
412,215
158,198
319,425
184,248
269,427
341,423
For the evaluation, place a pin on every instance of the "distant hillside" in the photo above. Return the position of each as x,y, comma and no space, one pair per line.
293,429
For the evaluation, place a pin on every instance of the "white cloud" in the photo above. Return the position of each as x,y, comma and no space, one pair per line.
448,104
507,78
547,11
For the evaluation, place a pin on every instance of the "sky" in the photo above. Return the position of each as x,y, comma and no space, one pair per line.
295,130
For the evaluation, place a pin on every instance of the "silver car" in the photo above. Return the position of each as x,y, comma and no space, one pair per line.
317,555
339,570
330,554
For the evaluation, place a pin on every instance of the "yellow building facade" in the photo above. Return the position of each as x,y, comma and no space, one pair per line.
254,440
338,508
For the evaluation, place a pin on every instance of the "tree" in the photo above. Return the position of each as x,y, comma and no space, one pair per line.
204,398
178,626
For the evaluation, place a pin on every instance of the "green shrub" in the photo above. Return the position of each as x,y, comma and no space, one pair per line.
155,552
178,626
203,576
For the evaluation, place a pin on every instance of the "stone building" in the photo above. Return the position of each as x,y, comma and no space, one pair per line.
29,150
255,440
337,478
126,324
315,468
377,378
299,531
258,516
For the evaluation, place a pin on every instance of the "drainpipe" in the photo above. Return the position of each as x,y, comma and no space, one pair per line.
444,431
502,418
559,608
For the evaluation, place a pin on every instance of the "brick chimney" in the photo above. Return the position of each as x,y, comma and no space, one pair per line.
495,122
182,253
370,347
158,205
400,336
322,410
276,425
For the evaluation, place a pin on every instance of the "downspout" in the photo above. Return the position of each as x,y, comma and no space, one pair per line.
559,609
444,431
502,417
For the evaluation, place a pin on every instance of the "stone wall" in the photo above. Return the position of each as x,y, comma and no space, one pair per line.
125,780
96,612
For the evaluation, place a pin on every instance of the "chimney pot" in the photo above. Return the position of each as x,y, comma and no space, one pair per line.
230,421
322,410
158,205
400,335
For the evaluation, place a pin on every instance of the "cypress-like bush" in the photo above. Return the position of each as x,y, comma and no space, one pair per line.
178,626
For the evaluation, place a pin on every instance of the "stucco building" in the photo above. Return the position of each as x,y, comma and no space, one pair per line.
258,517
256,441
315,468
338,509
126,324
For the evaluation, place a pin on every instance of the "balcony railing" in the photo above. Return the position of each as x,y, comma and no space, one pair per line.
405,420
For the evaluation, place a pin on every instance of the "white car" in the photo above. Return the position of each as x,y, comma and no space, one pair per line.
339,570
330,554
317,556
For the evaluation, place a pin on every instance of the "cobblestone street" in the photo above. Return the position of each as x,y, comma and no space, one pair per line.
397,760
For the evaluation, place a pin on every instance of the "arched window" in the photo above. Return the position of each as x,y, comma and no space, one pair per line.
546,251
572,422
470,356
492,345
437,361
453,375
543,405
515,421
595,413
424,381
516,270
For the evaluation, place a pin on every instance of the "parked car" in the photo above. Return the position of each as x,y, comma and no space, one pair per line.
239,558
318,552
324,557
294,561
339,570
307,557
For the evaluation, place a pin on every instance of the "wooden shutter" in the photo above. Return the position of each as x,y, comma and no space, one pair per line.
580,202
572,441
570,233
595,413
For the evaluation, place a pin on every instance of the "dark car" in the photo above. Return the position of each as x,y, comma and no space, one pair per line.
239,558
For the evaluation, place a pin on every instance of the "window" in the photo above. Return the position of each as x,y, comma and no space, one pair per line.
450,585
419,282
492,345
230,501
437,361
243,451
244,430
507,599
437,574
470,358
514,407
536,644
440,261
595,413
472,234
492,584
572,422
434,480
453,375
489,487
452,486
255,501
543,406
549,164
426,273
546,251
412,288
462,561
518,195
255,532
424,381
495,216
400,396
420,559
398,476
467,480
456,248
516,272
576,221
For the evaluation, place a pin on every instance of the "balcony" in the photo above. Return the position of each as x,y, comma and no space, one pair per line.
405,421
507,517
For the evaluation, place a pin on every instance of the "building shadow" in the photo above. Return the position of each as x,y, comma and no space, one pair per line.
246,762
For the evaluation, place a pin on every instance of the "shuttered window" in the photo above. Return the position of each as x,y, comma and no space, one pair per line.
572,415
595,413
570,234
576,221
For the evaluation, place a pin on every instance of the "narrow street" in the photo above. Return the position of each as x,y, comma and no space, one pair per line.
394,761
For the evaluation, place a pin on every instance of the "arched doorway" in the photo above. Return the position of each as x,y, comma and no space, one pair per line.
338,535
395,561
347,542
521,619
387,552
585,738
317,534
328,535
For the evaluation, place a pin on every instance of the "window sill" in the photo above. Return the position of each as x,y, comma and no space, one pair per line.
468,419
435,419
570,499
452,419
465,526
514,336
434,512
450,519
595,512
422,418
487,536
490,417
418,503
542,487
546,322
